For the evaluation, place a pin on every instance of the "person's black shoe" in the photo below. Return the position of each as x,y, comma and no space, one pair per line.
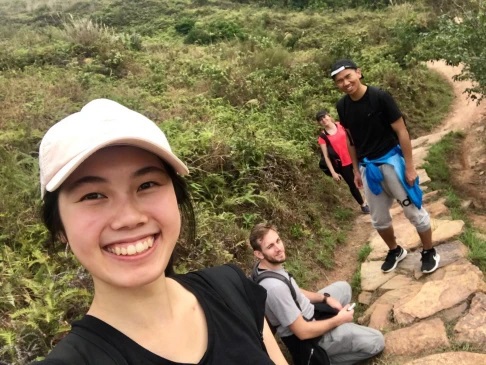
365,209
430,261
393,258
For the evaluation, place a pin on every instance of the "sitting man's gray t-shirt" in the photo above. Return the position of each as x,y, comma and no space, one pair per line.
280,307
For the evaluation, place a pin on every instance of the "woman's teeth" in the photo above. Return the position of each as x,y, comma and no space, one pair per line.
133,249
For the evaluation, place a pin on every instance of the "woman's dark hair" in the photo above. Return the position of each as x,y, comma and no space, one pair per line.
321,114
52,218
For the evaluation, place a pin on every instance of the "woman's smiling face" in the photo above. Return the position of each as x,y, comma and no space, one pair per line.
120,216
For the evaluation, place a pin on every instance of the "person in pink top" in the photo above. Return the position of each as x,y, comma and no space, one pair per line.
337,138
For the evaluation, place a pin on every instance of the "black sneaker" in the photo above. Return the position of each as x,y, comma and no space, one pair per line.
393,258
430,261
365,209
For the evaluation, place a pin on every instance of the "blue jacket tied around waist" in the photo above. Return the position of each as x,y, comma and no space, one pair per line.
374,177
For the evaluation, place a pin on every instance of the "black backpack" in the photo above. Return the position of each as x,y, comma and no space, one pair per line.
304,352
333,156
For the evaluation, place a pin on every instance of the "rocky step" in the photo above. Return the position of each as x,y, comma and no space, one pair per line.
414,310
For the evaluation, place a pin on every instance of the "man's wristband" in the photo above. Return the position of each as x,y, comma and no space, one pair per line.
326,295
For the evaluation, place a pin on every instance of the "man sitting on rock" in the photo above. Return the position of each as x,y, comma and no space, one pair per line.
344,341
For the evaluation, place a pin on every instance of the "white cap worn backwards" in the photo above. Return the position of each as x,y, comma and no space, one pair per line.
99,124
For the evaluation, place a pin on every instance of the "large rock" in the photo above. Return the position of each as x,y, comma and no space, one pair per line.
416,339
437,208
453,314
419,155
397,282
451,252
365,297
380,317
450,286
372,277
423,177
455,267
451,358
391,297
443,230
430,196
472,327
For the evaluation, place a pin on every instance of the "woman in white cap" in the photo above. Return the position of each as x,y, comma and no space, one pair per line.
112,190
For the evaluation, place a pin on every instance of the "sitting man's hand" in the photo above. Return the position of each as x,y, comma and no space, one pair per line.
344,315
333,302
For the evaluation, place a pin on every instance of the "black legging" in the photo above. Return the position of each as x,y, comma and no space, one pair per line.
348,176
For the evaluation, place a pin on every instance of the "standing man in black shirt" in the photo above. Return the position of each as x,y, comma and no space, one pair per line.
381,150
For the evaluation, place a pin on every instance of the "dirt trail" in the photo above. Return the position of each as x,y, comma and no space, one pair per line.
465,116
464,112
469,171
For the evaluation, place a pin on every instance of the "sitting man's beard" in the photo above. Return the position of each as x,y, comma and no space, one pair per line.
274,261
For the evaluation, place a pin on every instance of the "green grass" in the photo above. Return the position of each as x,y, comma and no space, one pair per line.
356,281
438,163
363,253
477,247
438,160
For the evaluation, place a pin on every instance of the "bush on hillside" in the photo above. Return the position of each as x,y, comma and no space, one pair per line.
213,32
184,26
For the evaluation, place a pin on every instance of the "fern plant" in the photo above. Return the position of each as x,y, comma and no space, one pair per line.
42,296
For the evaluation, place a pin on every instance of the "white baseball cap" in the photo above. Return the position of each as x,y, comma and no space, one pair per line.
99,124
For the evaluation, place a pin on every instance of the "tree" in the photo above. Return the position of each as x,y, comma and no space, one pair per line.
460,39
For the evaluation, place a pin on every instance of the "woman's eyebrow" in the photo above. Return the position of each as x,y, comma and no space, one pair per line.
85,180
98,179
147,170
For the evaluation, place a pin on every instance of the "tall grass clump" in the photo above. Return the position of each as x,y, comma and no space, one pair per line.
99,47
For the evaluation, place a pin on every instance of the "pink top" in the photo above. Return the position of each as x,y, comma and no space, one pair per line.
338,142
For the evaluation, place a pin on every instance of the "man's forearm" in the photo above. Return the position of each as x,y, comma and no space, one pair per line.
272,347
354,156
313,329
313,297
404,140
406,146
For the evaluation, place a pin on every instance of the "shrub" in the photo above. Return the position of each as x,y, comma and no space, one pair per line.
215,31
184,26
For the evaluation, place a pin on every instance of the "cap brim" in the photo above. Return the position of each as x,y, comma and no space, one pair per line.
342,68
338,70
69,167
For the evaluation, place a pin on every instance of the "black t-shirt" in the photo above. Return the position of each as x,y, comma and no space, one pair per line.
370,122
231,340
